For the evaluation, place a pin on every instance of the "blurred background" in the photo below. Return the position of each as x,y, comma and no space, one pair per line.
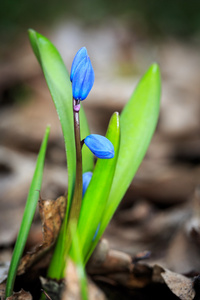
123,38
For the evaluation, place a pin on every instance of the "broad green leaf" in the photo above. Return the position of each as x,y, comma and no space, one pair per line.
97,193
29,212
59,84
87,156
137,121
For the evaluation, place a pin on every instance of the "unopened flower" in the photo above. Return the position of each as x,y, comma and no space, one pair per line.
80,55
86,180
82,75
100,146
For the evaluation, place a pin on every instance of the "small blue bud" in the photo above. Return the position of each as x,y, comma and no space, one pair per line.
80,55
82,75
100,146
86,180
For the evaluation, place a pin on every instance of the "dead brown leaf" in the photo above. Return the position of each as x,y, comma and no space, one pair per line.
22,295
193,226
2,290
73,292
94,292
180,285
117,267
139,277
4,267
182,255
52,213
105,260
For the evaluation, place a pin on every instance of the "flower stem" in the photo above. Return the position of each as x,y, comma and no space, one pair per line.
77,198
76,203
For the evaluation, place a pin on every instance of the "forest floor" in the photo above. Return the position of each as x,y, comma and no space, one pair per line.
154,237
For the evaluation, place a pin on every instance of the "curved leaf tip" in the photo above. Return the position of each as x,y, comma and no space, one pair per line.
154,70
33,40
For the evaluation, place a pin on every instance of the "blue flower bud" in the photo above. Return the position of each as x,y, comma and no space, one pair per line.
82,75
86,180
100,146
80,55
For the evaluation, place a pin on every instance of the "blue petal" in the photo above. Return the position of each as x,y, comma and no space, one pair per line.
83,79
88,80
100,146
80,55
86,180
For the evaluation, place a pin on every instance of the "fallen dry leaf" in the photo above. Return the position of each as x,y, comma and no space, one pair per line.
4,267
2,290
72,291
180,285
182,255
94,292
105,260
193,225
139,277
117,267
52,213
22,295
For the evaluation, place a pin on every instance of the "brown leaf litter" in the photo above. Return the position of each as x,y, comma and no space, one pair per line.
180,285
52,213
21,295
73,292
118,268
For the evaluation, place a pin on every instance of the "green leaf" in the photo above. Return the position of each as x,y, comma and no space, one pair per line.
29,212
59,84
97,193
87,156
138,121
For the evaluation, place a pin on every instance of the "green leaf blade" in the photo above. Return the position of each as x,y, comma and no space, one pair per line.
138,121
97,193
59,84
28,215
